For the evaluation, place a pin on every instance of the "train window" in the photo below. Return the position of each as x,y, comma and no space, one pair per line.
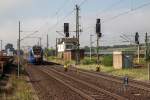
31,54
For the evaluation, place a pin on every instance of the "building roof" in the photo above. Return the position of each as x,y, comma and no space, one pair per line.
68,40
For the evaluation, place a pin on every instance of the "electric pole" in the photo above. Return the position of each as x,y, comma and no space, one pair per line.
97,49
19,51
91,46
138,45
147,55
1,45
77,35
47,47
47,42
56,46
40,40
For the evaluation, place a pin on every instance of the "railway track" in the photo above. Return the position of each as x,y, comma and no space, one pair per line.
48,88
88,85
133,93
133,83
87,90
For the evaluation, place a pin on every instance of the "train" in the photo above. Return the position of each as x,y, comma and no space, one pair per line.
35,55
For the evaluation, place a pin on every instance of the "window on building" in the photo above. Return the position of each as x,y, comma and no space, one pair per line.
69,46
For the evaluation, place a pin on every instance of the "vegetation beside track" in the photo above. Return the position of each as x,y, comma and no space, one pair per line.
134,73
18,88
87,64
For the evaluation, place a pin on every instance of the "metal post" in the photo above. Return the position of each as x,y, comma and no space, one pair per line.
77,35
47,47
91,46
19,51
97,49
56,47
47,42
148,67
1,45
40,40
138,53
147,55
98,32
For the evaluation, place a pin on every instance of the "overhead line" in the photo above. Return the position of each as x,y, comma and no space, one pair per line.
65,17
111,6
126,12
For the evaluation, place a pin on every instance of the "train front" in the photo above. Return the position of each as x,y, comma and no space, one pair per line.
35,55
38,54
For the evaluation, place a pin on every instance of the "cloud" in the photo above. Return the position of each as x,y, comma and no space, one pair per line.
8,5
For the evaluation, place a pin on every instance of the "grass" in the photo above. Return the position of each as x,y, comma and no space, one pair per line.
134,73
20,89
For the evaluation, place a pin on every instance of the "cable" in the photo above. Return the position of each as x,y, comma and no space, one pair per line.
106,9
61,20
124,13
83,2
55,14
66,16
111,6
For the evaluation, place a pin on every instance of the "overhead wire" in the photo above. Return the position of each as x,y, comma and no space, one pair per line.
126,12
106,9
67,15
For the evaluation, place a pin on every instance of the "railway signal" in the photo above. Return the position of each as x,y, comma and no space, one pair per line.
66,29
137,42
137,38
99,34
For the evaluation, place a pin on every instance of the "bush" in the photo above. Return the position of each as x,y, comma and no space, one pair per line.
107,60
87,61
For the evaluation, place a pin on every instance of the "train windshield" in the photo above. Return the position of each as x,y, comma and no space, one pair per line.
37,50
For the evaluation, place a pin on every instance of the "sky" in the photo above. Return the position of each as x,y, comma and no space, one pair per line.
118,17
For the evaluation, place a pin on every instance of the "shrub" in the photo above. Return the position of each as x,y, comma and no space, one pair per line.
107,60
87,61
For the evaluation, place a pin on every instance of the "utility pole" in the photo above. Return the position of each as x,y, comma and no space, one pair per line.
1,45
40,40
138,45
47,42
19,51
147,55
97,49
77,35
56,46
138,53
47,47
91,46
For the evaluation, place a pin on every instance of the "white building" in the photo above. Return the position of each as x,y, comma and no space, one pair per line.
66,44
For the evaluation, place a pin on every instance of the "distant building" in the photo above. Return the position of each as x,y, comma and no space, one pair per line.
66,44
66,48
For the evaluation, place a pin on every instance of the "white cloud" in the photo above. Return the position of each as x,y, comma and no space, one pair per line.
7,5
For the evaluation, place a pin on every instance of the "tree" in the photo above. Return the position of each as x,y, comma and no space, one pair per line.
10,47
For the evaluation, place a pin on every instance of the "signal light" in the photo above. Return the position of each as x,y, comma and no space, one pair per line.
137,38
98,28
66,29
98,21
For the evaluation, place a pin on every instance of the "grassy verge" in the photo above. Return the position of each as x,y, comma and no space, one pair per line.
21,90
87,64
135,73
